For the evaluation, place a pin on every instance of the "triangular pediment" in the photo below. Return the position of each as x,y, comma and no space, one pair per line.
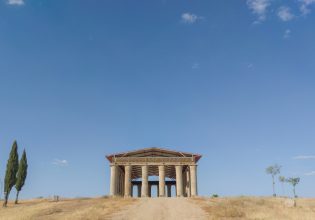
152,152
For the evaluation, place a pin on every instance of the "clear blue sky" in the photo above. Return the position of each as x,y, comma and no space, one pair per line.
231,80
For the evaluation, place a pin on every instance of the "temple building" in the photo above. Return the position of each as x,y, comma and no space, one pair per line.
133,168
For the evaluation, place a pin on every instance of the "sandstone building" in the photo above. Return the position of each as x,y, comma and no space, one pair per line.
133,168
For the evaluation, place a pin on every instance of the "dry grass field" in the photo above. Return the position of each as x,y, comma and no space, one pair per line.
43,209
257,208
201,208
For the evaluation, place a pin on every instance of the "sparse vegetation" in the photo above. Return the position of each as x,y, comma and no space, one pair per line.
256,208
21,175
11,171
293,181
76,209
273,171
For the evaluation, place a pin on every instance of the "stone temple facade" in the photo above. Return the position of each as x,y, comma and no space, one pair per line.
133,168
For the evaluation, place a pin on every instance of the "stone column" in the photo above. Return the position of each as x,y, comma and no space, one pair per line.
113,180
127,181
161,187
184,184
123,183
175,189
193,180
169,190
187,182
139,190
121,186
118,182
144,188
179,180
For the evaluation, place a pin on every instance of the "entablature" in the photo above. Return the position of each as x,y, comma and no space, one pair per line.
153,161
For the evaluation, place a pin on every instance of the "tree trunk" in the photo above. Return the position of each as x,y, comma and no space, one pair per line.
17,197
294,191
273,186
6,196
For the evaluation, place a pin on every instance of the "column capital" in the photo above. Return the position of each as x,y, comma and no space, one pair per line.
193,165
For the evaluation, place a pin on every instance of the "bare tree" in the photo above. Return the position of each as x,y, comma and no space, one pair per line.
273,171
293,182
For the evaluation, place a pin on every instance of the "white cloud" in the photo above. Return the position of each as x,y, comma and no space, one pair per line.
190,18
285,14
15,2
287,33
304,7
312,173
60,163
259,8
304,157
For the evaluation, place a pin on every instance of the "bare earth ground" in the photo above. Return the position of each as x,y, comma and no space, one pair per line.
161,208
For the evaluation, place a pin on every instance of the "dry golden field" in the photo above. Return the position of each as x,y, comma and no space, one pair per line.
44,209
257,208
157,208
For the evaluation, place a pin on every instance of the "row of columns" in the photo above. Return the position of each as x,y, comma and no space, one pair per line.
186,181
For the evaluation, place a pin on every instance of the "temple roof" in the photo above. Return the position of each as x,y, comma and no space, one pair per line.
153,152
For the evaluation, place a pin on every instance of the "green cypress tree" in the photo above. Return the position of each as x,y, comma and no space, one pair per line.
10,174
21,175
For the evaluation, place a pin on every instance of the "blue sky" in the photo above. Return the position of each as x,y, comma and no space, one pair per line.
231,80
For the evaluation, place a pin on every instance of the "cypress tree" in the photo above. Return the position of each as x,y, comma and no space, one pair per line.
21,175
10,174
